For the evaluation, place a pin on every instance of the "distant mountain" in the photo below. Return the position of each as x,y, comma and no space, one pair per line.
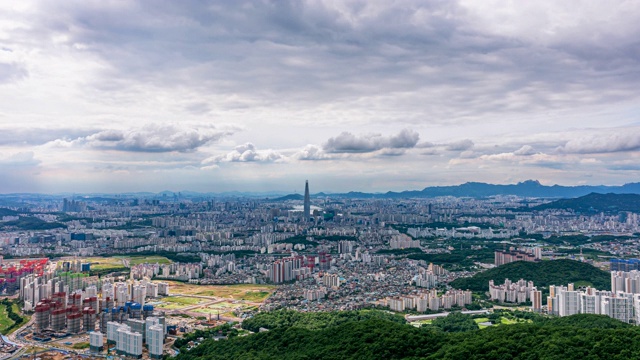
529,188
596,203
288,197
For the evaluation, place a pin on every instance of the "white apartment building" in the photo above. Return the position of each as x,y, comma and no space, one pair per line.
155,340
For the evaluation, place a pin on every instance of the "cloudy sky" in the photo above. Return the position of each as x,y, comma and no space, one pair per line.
113,96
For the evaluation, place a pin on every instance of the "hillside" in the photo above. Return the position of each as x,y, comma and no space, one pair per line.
314,320
596,203
288,197
563,338
7,212
31,223
543,274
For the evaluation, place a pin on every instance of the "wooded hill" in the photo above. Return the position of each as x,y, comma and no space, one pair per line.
595,203
543,274
575,337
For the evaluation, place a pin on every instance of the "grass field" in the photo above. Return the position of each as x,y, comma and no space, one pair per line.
178,302
115,263
80,345
136,260
255,296
105,263
6,322
248,292
224,308
481,320
505,321
183,300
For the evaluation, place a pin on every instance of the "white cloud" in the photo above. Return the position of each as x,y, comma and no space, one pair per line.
150,138
246,153
605,142
311,152
461,145
20,159
525,150
347,142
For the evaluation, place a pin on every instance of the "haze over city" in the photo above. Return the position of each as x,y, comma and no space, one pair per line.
372,96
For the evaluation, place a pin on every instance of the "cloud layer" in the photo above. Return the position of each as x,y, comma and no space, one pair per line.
366,95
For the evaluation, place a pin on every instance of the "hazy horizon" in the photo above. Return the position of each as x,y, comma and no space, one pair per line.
281,192
371,96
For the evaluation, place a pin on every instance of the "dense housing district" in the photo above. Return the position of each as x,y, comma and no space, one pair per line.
130,276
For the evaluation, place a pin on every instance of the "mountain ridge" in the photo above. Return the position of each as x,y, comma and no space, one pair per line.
528,188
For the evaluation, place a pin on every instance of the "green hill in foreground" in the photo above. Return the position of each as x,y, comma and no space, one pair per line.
375,338
543,274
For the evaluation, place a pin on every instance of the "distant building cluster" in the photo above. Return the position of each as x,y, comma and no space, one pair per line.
402,241
428,278
625,281
624,264
173,271
514,292
429,300
297,267
315,294
73,206
290,268
523,254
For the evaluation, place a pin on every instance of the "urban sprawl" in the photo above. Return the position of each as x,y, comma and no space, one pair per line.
122,273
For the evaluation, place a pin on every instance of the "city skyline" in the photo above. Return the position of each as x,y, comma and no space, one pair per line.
356,96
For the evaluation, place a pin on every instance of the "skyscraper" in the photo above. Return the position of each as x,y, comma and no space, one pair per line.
307,201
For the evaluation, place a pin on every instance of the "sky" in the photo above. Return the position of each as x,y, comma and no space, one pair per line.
215,96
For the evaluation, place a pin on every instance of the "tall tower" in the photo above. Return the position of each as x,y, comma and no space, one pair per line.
307,201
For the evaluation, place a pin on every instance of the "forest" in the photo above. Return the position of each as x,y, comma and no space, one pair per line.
454,337
543,274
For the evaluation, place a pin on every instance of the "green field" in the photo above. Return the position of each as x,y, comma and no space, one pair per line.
183,300
481,320
115,263
248,292
505,321
256,296
224,308
104,263
6,322
136,260
80,345
179,302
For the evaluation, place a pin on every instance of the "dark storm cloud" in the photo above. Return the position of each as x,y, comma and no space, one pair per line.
347,142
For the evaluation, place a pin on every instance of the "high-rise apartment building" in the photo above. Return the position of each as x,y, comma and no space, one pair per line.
155,340
536,300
